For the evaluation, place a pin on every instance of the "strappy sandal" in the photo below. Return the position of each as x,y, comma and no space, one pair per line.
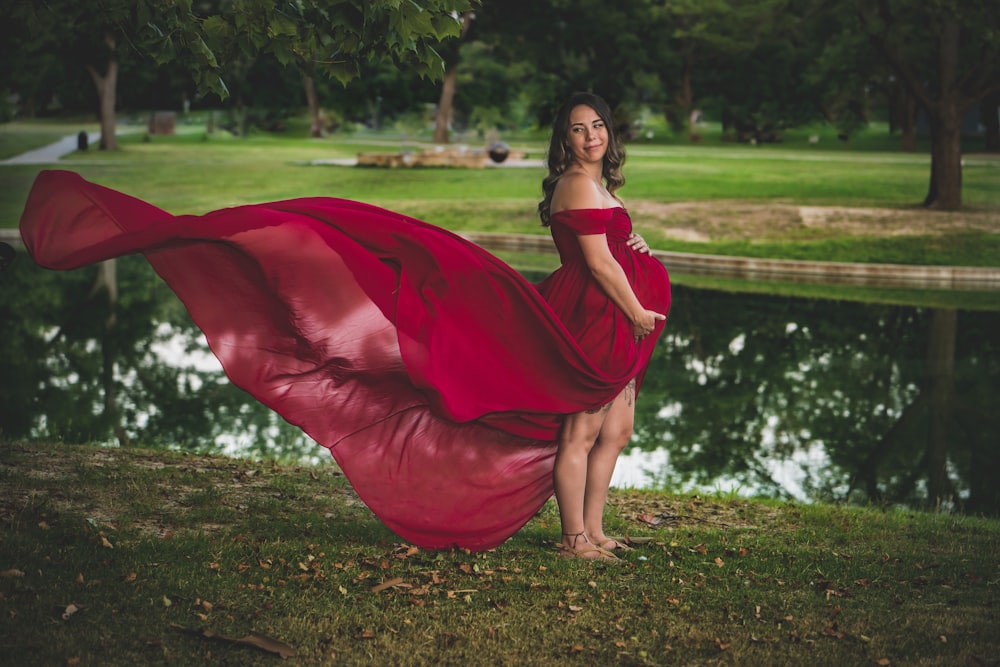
614,544
583,552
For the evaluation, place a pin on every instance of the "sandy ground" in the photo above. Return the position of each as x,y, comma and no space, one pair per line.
735,220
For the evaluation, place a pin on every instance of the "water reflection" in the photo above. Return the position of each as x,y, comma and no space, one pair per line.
823,399
781,395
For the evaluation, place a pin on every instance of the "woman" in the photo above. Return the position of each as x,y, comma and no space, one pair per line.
435,374
594,293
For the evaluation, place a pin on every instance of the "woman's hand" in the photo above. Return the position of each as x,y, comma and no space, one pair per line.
638,243
645,324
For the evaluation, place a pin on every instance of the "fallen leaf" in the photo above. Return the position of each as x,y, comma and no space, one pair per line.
832,631
719,562
105,543
387,584
573,607
884,662
12,573
253,639
70,610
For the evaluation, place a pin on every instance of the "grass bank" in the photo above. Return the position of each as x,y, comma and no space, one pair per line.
797,201
125,557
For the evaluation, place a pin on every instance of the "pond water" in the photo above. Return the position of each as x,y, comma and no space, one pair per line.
806,397
803,395
821,398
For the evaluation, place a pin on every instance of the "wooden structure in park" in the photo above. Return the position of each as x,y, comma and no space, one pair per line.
439,156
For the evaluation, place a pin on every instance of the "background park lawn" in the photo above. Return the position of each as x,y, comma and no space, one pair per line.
749,196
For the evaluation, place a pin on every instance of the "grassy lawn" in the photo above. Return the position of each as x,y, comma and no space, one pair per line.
132,556
125,557
750,196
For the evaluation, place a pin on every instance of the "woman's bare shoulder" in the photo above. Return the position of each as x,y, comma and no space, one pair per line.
577,190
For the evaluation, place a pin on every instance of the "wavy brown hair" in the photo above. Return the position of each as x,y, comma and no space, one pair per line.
560,158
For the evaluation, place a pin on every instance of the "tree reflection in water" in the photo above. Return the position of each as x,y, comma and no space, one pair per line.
901,400
879,403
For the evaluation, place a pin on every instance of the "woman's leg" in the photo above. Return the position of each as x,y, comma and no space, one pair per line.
614,436
576,439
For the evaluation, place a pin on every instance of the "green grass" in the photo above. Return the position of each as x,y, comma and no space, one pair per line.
194,172
156,548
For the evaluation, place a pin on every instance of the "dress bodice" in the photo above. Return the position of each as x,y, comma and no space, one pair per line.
568,224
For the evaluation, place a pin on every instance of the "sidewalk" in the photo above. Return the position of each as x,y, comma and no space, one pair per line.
51,153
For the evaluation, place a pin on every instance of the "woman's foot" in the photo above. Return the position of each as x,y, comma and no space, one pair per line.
612,544
578,545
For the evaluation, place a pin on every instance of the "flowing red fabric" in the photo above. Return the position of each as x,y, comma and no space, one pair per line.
434,373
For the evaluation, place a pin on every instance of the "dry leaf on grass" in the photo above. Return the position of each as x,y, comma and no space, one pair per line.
262,642
395,581
70,609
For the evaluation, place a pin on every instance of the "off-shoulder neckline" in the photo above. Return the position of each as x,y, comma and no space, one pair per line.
578,210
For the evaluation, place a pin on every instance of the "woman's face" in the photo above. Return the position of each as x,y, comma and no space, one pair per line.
587,136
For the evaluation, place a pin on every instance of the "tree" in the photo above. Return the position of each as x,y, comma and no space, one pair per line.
328,37
947,54
448,84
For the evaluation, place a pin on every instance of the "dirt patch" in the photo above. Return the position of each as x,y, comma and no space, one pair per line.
738,220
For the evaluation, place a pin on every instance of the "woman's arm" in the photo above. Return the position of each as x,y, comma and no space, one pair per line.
579,191
611,277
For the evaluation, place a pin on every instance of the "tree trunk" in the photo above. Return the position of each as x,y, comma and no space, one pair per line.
685,102
989,112
909,122
106,86
316,129
443,117
940,389
107,281
945,190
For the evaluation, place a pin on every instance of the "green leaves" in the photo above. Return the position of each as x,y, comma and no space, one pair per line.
332,37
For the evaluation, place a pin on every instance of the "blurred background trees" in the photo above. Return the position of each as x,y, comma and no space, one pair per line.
758,67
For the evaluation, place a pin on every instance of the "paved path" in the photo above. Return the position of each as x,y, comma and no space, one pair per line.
53,152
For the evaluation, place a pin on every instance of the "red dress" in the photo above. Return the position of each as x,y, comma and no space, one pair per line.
434,373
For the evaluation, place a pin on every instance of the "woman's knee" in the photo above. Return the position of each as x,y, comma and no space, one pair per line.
617,437
579,441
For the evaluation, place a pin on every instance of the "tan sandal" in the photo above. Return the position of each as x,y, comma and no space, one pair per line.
567,551
613,544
